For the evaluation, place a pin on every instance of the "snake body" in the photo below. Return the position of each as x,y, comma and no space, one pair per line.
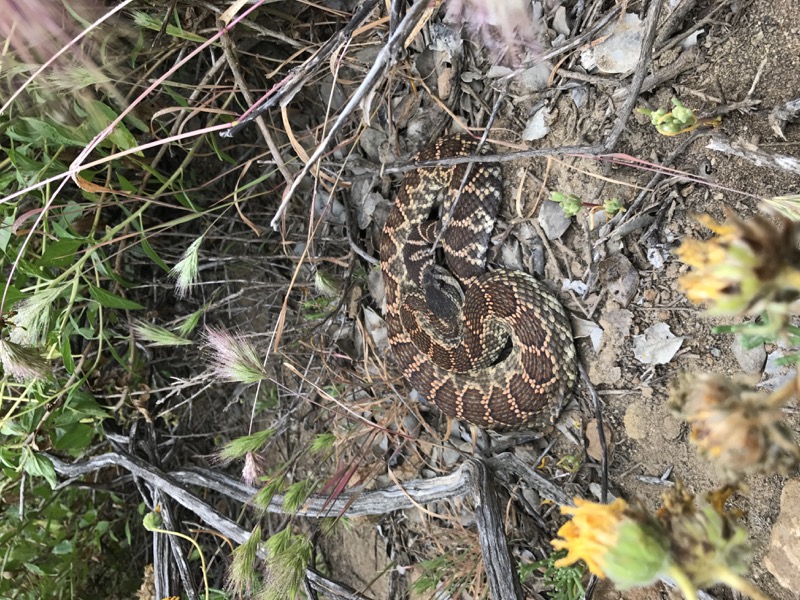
453,345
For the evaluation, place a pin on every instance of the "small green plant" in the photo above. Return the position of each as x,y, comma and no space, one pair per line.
562,583
288,557
571,463
677,121
450,572
572,205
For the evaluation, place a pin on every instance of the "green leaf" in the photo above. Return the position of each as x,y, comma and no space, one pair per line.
144,20
39,466
148,250
87,518
35,569
13,295
101,116
84,405
75,437
60,254
191,321
54,133
64,547
109,300
66,352
5,231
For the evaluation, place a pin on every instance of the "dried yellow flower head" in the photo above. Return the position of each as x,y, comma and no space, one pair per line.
740,429
746,268
707,543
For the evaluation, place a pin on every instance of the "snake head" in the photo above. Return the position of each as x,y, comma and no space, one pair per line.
443,292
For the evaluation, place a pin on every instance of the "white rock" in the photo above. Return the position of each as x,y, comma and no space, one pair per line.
536,127
552,219
751,361
582,328
620,52
377,329
560,21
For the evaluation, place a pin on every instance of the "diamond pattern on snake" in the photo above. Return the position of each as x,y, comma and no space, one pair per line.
450,326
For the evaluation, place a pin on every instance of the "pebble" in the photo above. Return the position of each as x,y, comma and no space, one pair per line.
750,361
593,447
619,53
552,220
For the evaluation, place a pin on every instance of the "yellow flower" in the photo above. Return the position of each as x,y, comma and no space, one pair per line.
591,532
615,541
694,547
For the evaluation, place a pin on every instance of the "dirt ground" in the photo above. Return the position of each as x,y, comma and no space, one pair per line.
741,41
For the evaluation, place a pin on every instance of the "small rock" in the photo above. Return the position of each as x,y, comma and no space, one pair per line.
620,277
579,95
619,53
377,329
619,321
783,557
593,448
574,285
552,220
776,375
649,295
536,127
655,257
560,21
582,328
533,79
376,287
751,361
671,428
451,456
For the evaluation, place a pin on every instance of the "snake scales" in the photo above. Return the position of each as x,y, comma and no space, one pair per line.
451,345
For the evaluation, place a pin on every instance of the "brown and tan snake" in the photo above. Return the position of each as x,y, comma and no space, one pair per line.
453,346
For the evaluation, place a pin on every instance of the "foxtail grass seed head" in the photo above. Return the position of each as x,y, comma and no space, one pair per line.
185,271
32,318
739,429
158,336
233,358
788,206
242,576
509,29
746,268
288,557
22,362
